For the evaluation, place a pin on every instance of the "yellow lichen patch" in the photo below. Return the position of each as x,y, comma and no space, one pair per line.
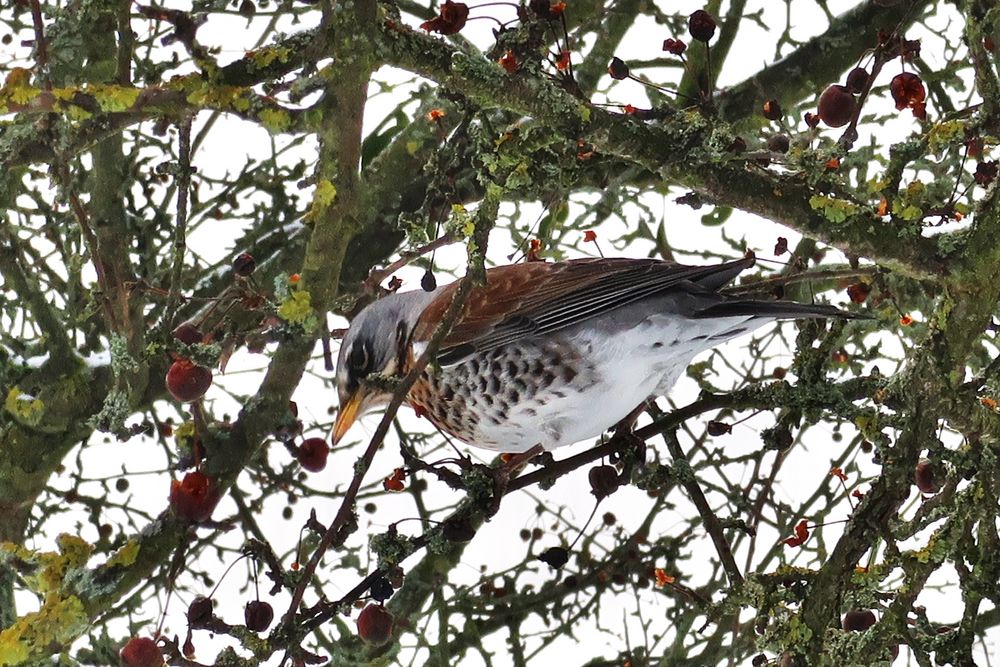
124,556
275,120
325,193
57,623
266,56
53,566
25,408
834,210
208,96
296,308
114,98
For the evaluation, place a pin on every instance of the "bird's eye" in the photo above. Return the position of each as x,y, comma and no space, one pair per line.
360,360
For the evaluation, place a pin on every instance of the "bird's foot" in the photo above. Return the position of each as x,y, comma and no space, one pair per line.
508,469
627,424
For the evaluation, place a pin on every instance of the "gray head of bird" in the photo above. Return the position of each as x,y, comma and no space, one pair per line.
377,343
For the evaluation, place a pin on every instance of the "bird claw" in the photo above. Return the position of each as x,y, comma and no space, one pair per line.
506,471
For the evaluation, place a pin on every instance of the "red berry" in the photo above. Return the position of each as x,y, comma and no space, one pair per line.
857,79
701,25
187,333
375,625
811,119
194,498
836,106
392,484
907,90
141,652
187,381
603,481
858,292
858,620
674,46
451,19
312,454
258,615
927,476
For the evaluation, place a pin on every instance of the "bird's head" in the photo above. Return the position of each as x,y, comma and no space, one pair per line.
377,343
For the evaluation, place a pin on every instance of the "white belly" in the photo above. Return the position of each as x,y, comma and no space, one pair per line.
620,371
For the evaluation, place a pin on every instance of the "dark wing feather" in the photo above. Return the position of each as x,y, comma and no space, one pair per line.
531,299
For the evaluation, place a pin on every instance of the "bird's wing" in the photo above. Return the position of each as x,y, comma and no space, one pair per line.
536,298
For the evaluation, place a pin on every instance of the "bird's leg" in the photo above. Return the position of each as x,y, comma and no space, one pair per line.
633,448
625,425
507,471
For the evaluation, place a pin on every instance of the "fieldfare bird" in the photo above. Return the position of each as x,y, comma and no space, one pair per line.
549,353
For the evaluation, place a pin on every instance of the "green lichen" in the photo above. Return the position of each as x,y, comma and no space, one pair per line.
114,411
390,547
945,134
121,360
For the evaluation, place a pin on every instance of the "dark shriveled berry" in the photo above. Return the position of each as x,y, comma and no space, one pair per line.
258,615
674,46
617,69
858,620
836,106
199,612
187,333
428,282
603,481
772,110
701,26
458,530
778,143
716,428
244,264
857,79
928,476
554,557
381,589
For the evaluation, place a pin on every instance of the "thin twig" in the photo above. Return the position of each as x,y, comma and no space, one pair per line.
376,277
41,48
181,219
712,523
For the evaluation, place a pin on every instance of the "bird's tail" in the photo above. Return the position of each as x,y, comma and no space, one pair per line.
776,309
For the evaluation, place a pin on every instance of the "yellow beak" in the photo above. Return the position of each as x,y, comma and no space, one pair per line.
347,415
